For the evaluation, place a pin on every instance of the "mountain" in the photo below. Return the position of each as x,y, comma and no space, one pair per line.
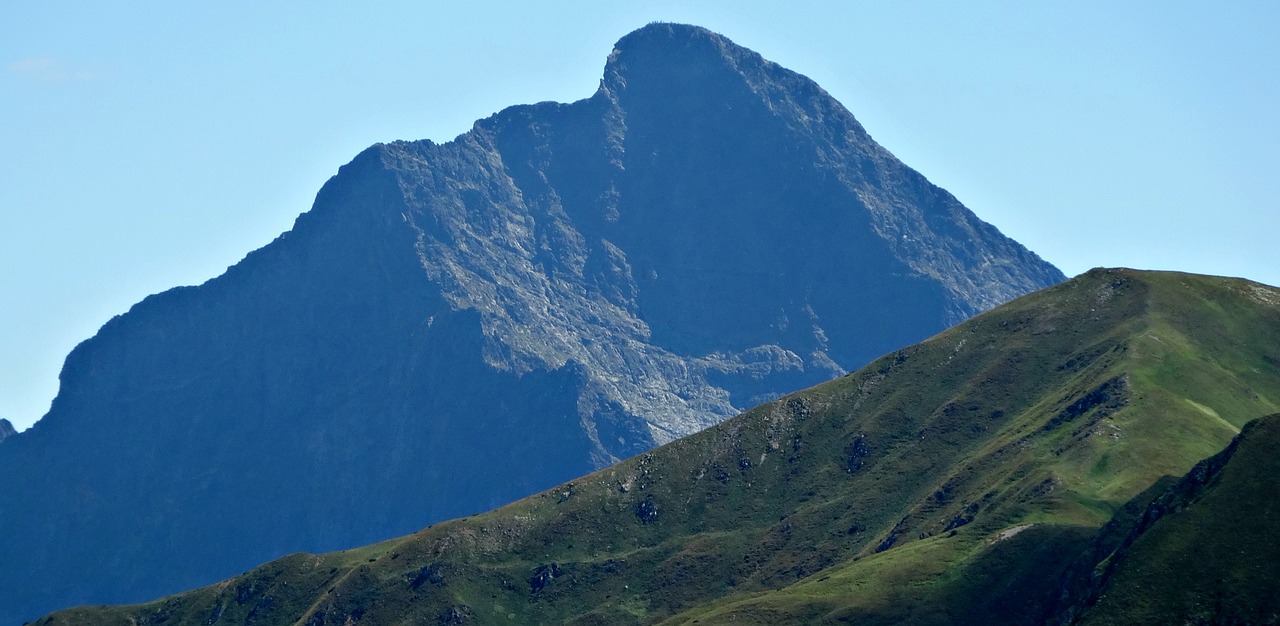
455,326
6,430
982,476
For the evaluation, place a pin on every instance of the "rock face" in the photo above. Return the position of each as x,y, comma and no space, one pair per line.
454,326
6,430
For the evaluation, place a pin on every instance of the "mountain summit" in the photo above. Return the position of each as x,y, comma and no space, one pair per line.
453,326
725,218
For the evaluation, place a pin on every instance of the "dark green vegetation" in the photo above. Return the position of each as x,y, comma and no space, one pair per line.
1001,472
455,326
1208,550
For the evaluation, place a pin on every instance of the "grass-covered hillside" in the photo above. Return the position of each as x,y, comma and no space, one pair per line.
1207,551
961,480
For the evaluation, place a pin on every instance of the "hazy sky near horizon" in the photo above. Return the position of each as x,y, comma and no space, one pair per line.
146,145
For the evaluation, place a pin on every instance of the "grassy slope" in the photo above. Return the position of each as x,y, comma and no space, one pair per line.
1052,410
1213,554
1200,550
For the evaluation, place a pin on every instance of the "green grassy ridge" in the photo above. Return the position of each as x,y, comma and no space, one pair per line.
1202,549
1054,409
1205,552
938,581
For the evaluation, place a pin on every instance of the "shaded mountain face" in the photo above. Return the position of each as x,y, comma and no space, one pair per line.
6,430
985,476
455,326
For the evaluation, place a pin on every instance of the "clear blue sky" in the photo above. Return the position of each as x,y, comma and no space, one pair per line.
145,145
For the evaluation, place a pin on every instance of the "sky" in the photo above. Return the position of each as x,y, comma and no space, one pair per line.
147,145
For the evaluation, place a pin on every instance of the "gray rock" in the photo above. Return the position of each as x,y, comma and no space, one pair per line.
6,430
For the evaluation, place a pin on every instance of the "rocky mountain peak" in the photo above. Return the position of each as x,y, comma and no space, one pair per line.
690,66
677,52
453,326
6,430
